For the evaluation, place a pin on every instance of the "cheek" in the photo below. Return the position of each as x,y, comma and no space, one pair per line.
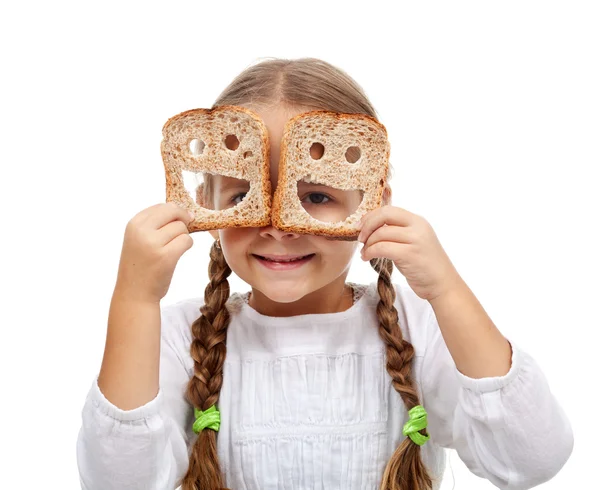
337,250
236,239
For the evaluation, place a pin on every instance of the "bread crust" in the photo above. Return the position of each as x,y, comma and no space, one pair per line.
284,210
212,126
368,173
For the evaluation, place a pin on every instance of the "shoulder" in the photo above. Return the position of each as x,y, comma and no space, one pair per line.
177,318
414,314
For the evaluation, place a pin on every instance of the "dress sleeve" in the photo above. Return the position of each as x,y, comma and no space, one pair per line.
509,429
144,448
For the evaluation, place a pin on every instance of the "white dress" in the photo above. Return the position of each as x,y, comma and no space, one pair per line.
307,403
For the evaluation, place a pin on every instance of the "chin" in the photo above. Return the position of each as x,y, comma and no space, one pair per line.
283,291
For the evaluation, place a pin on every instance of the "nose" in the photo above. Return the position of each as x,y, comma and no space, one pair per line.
271,232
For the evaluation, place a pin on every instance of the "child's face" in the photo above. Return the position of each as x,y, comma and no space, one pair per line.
332,258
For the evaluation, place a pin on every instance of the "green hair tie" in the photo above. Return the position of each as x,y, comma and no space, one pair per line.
417,421
210,419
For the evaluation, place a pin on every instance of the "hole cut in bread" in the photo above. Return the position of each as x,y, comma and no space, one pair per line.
343,152
228,141
355,156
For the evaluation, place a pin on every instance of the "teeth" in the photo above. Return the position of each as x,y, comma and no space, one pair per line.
284,261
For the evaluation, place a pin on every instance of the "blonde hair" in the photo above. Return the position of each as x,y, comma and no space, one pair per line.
314,84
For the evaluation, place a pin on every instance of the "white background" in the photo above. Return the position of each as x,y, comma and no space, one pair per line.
493,114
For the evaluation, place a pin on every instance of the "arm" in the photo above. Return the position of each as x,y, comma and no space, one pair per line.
129,374
135,436
508,429
477,347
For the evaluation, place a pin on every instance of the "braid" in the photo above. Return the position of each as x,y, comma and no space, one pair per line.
405,470
208,349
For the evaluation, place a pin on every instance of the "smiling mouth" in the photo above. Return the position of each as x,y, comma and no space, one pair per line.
289,261
282,266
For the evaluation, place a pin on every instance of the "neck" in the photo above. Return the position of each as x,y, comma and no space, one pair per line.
325,300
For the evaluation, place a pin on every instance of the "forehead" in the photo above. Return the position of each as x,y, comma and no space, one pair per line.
276,115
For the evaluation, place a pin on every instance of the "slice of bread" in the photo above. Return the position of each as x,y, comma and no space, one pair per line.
340,134
194,141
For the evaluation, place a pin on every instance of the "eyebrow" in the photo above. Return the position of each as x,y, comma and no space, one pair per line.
233,184
302,182
316,185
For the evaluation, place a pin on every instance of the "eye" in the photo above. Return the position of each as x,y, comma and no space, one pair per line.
238,195
319,201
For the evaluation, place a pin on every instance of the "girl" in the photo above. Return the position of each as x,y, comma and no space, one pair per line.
308,381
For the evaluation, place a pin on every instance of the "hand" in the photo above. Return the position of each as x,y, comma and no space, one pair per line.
154,241
410,242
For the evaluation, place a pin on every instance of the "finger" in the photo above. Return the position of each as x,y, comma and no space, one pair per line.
388,250
168,213
179,245
171,231
389,215
151,210
397,234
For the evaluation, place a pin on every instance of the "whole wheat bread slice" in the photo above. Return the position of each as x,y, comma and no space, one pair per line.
250,161
337,132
